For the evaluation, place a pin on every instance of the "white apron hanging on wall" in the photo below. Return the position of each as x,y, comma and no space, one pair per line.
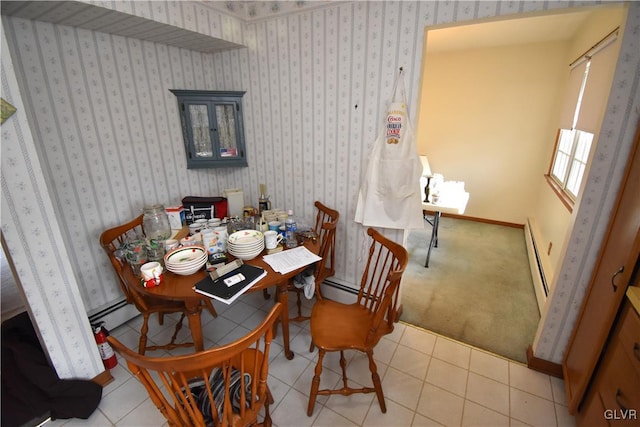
390,192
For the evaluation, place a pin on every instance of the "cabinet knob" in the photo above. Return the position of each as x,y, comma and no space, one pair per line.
613,278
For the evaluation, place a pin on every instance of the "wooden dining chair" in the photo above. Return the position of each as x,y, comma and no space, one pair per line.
222,386
359,326
325,228
111,240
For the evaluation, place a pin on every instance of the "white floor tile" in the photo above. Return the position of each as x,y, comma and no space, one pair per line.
288,370
531,381
358,370
452,352
558,390
477,415
564,418
490,366
353,407
292,411
448,377
531,409
384,350
422,421
402,388
440,405
329,418
145,415
418,339
489,393
410,361
396,415
117,404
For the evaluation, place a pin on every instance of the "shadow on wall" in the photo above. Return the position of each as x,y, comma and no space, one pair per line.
11,298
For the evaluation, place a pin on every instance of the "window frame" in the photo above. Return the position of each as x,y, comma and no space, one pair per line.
560,184
212,100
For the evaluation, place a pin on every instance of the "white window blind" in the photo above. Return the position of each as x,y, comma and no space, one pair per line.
596,91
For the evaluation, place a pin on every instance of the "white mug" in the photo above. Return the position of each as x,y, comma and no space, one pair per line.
151,270
271,239
170,245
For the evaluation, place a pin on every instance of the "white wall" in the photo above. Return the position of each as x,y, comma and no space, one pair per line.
33,239
553,221
486,119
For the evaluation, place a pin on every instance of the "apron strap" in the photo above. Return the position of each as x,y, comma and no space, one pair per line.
399,84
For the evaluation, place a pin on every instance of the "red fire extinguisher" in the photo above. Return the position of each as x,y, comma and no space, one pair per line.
106,352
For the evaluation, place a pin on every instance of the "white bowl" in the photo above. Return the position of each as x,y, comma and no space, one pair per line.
187,272
185,260
247,254
247,248
246,257
184,254
245,237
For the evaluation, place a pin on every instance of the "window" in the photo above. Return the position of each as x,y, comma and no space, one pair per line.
213,129
570,161
589,80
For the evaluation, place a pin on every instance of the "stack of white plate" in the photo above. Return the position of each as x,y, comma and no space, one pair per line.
246,244
186,260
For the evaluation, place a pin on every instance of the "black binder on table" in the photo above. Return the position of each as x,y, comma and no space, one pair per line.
219,290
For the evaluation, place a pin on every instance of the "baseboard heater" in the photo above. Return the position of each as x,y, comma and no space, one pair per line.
537,270
338,290
115,314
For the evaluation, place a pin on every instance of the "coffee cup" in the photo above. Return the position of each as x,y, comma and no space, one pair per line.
171,244
274,225
151,270
271,239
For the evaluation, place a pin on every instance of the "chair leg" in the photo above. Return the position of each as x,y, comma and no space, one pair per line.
266,422
376,382
178,327
209,306
343,366
315,384
161,319
142,343
265,294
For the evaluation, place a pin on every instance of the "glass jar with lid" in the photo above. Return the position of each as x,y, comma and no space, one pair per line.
156,223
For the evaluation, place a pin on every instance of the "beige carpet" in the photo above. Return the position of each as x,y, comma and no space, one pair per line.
477,289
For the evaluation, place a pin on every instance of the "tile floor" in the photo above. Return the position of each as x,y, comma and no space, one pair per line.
428,380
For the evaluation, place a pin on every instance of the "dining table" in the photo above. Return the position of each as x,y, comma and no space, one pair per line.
180,288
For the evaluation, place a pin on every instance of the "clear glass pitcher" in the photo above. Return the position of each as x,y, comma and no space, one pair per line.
156,223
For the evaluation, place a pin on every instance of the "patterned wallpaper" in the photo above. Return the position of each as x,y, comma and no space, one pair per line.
32,234
107,131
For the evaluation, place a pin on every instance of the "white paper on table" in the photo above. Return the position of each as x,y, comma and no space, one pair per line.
291,259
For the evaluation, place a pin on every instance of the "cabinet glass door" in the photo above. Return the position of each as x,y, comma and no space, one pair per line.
200,130
226,129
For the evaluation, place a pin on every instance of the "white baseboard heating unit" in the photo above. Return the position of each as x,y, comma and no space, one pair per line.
537,271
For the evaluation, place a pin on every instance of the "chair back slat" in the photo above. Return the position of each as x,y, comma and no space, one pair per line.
222,386
325,227
380,282
112,239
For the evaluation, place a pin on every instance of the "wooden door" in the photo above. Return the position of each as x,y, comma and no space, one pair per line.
609,282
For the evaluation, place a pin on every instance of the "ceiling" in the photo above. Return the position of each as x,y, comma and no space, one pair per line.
79,14
505,32
96,18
